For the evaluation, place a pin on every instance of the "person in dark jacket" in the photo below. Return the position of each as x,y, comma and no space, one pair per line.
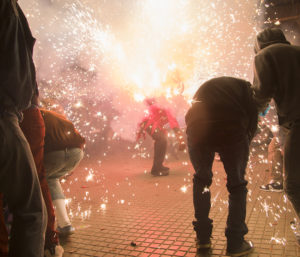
19,181
277,76
222,119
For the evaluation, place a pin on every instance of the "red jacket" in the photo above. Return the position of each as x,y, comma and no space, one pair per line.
33,128
158,118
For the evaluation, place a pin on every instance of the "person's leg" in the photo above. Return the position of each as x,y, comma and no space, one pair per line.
276,164
292,167
54,162
20,186
202,159
235,158
3,231
73,158
69,159
275,160
160,148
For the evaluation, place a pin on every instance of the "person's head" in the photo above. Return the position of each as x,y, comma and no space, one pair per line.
269,37
150,101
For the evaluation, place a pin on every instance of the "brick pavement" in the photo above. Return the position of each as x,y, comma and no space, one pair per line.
119,209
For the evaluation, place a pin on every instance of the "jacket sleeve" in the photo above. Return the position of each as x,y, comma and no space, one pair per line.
264,82
252,114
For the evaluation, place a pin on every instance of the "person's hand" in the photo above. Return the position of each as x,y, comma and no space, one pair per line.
140,134
181,146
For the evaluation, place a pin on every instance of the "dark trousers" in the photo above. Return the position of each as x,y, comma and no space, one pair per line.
20,186
292,166
160,147
234,158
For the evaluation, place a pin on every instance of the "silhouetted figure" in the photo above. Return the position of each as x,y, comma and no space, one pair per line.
19,181
223,120
277,76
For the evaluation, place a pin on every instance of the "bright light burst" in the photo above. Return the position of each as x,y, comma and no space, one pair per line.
85,53
183,189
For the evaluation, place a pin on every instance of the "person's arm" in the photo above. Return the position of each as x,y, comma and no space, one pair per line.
172,120
252,113
264,83
141,131
175,126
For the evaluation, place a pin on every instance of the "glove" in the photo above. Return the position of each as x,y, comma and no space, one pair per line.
180,140
140,134
181,146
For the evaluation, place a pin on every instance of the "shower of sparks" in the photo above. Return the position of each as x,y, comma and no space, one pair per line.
266,207
89,177
277,240
89,62
96,66
205,190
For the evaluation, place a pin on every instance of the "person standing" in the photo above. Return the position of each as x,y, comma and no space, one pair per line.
33,128
277,76
19,181
154,124
222,119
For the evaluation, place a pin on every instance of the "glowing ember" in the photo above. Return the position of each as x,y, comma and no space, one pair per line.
183,189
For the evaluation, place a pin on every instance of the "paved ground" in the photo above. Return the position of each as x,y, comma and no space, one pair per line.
119,209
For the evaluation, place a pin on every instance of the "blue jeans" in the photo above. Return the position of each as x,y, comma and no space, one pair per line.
234,158
58,164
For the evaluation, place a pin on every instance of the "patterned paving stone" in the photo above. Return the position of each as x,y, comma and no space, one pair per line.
124,211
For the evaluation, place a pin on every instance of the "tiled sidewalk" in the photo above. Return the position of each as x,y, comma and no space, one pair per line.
119,209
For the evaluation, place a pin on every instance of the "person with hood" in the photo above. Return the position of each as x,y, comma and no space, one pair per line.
222,119
19,181
154,124
277,76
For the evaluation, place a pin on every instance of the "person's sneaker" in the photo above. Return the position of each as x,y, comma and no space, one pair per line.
272,187
295,226
65,231
57,251
203,244
298,239
245,248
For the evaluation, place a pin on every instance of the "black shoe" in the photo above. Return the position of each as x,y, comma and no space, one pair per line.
160,173
272,187
159,168
203,244
245,248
